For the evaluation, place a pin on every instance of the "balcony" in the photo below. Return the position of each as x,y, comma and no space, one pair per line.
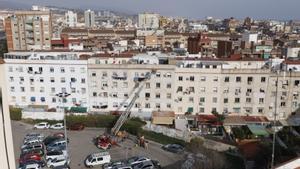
116,77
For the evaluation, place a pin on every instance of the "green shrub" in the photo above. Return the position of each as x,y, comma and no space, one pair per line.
101,121
15,113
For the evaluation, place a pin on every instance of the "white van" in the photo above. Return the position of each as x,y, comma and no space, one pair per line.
97,159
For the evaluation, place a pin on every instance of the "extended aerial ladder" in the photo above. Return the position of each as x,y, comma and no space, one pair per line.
139,85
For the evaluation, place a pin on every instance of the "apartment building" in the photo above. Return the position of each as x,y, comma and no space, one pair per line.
35,78
89,18
148,21
29,30
71,19
181,85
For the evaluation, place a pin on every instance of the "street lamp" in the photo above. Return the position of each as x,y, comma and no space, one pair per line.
275,121
63,96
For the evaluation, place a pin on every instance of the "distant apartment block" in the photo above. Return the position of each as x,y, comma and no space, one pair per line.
71,19
89,18
148,21
29,30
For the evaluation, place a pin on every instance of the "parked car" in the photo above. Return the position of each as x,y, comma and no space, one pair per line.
32,140
137,159
55,154
50,139
174,148
41,125
96,159
30,166
30,156
56,162
33,135
57,126
156,164
76,126
31,147
143,165
59,144
41,163
116,165
34,151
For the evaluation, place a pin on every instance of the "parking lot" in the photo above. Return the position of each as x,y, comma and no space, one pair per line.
81,145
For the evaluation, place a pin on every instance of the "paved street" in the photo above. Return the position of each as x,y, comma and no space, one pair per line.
81,145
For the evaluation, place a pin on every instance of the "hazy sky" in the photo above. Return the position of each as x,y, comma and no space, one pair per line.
275,9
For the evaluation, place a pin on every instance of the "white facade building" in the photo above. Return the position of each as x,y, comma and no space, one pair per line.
71,19
105,84
89,18
250,37
293,52
148,21
36,78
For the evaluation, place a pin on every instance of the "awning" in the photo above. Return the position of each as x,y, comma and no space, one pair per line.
258,130
78,110
190,110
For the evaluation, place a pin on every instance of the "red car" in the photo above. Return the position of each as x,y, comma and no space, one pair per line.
28,157
76,126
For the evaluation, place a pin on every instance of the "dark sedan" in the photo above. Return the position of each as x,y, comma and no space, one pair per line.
174,148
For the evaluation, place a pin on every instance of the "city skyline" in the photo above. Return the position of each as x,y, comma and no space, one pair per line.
194,9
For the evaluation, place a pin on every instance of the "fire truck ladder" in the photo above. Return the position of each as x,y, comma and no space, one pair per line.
124,116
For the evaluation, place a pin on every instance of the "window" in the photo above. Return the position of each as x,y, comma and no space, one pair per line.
215,79
169,95
94,94
31,89
42,89
73,90
202,89
236,100
147,95
236,109
157,74
22,89
83,80
263,79
202,99
20,69
260,110
192,78
215,99
147,85
23,98
201,110
248,100
115,84
157,85
42,80
52,79
226,79
93,74
169,105
238,79
215,90
82,70
115,104
249,79
225,100
157,95
11,79
21,79
10,69
297,82
51,69
179,89
180,78
147,105
43,99
282,104
157,105
12,89
261,100
83,90
53,100
62,70
191,99
52,89
72,69
73,79
169,85
62,80
202,78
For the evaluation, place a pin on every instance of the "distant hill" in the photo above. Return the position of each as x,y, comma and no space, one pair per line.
13,5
